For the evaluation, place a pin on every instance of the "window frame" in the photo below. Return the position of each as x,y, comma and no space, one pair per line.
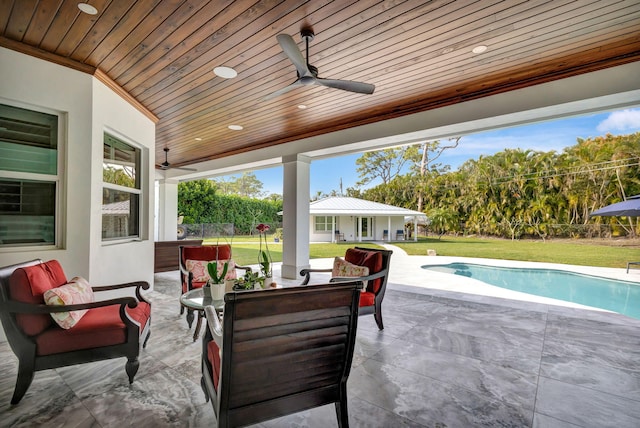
328,223
138,190
57,179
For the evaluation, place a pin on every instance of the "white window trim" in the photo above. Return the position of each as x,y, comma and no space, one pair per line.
140,192
59,180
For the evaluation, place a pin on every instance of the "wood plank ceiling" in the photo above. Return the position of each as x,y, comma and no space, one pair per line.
418,54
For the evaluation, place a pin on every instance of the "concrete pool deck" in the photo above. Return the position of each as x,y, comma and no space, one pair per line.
406,274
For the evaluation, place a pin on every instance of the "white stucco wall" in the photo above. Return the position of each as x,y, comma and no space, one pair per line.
348,227
89,107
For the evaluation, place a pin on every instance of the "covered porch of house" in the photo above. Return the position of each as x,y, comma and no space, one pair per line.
445,358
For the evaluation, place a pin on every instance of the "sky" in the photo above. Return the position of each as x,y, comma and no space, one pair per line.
543,136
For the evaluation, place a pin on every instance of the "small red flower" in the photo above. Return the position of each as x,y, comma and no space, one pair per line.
262,228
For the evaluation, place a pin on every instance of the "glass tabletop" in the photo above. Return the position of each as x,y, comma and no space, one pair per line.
196,299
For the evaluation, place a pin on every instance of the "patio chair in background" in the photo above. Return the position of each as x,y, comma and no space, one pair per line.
339,236
193,270
375,277
400,235
280,351
385,235
51,322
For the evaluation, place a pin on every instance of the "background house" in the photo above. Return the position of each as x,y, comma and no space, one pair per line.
352,219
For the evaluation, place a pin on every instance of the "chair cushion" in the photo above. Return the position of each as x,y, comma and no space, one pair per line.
370,259
29,285
213,355
343,268
367,299
99,327
201,273
206,252
76,291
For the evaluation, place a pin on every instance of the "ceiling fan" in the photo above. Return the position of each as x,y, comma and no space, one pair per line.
307,73
166,165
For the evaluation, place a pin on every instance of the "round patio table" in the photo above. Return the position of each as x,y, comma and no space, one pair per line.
196,300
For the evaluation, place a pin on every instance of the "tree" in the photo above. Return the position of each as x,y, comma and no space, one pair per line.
383,164
246,185
431,151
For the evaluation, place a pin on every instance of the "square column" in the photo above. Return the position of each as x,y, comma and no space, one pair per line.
295,219
167,210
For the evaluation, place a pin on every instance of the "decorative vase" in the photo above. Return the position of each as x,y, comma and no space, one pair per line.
217,291
206,289
256,286
267,281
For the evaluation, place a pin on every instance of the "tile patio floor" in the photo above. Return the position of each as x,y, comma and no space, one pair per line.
444,359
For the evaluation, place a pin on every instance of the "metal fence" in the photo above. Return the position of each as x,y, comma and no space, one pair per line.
217,230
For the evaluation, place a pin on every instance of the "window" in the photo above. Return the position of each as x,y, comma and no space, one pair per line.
29,177
323,223
121,191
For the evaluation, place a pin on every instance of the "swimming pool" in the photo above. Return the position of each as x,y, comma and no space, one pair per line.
617,296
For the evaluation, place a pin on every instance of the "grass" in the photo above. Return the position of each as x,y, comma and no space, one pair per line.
582,252
601,253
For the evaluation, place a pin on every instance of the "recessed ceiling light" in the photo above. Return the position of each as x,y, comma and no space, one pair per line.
87,8
479,49
236,127
302,106
225,72
198,139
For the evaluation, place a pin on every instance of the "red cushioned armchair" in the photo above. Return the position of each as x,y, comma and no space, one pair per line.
377,261
107,329
204,253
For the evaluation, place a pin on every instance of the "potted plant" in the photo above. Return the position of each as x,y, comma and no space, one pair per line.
216,285
265,261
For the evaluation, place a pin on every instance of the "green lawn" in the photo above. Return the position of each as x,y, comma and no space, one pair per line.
604,253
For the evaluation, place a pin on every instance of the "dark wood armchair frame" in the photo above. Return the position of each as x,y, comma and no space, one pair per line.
24,347
376,308
283,351
186,276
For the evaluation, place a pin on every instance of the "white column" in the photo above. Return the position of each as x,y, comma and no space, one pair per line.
295,219
388,228
415,228
333,230
359,220
167,210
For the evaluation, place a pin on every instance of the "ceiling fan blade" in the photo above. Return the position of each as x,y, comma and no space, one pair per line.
283,90
291,49
347,85
183,168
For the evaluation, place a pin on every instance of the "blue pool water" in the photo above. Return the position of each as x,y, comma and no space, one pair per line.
618,296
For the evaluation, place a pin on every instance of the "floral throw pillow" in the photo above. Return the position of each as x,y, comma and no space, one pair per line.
341,267
74,292
201,273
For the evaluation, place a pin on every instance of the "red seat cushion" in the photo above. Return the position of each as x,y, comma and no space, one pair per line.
98,327
28,285
367,299
370,259
213,355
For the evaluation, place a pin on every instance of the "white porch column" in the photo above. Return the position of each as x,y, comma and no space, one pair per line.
333,230
167,210
359,220
295,219
415,228
388,228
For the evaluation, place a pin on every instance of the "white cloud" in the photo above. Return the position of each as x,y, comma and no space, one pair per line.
624,120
